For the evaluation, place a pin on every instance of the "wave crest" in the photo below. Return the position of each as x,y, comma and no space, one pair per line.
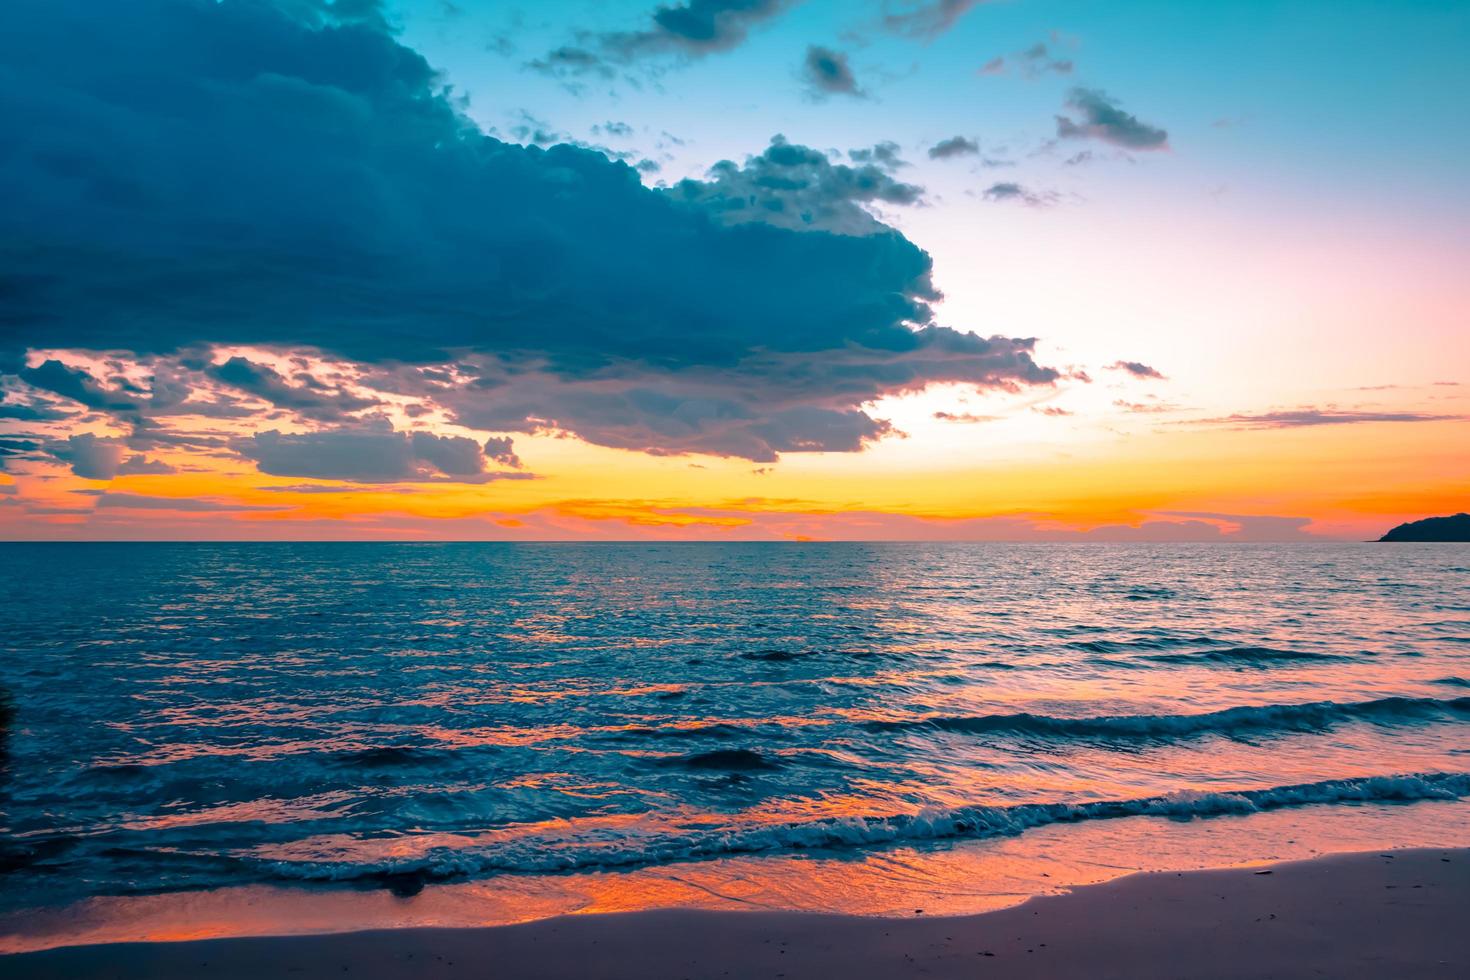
1308,717
626,849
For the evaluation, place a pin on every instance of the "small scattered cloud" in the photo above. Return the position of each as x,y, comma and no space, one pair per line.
501,449
1031,63
827,72
886,155
569,61
926,19
698,27
1303,417
1138,369
613,128
955,146
966,417
1052,410
143,466
1144,408
686,31
1101,118
1011,191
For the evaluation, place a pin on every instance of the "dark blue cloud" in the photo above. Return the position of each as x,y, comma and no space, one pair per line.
827,72
30,412
955,146
693,29
1101,118
79,386
798,187
703,25
11,449
684,31
886,155
188,173
372,452
308,400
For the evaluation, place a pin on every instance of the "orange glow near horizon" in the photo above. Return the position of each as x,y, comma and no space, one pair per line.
1023,476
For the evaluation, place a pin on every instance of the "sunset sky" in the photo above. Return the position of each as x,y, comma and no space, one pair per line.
733,269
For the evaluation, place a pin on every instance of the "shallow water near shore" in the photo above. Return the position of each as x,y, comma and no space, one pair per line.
754,722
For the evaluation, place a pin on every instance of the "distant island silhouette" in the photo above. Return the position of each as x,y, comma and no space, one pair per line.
1453,528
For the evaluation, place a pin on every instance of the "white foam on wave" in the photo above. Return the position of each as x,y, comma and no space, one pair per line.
629,847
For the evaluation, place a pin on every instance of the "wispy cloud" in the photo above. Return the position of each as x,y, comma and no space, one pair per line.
138,501
927,19
1136,368
1301,417
1033,62
1012,191
687,31
1144,408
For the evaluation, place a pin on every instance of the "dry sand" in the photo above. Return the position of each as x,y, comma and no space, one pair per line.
1399,915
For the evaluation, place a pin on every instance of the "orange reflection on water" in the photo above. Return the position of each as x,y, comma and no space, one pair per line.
971,877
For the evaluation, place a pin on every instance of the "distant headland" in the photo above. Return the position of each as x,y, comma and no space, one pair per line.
1453,528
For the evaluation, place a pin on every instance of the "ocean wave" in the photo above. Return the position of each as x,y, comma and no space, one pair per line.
777,655
388,757
628,848
1307,717
1246,657
733,760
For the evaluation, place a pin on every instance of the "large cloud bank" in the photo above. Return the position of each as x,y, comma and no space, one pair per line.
289,177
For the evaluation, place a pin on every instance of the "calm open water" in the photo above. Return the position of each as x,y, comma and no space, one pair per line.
197,715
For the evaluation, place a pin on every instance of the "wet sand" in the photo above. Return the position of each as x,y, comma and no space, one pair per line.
1399,914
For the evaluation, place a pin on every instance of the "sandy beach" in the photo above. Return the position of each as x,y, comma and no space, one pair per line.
1398,914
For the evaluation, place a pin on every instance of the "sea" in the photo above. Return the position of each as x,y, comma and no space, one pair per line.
846,727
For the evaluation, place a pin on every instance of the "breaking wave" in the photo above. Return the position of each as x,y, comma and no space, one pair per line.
537,855
1308,717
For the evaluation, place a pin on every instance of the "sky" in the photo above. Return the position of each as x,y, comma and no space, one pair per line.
1036,270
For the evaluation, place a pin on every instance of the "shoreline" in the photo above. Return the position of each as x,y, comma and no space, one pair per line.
1396,913
957,879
